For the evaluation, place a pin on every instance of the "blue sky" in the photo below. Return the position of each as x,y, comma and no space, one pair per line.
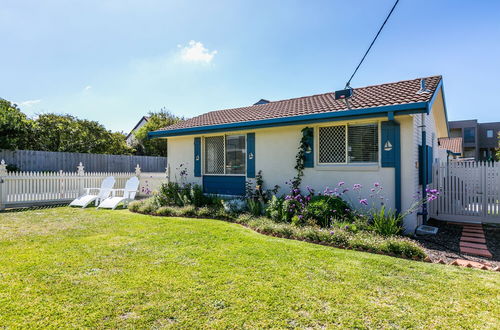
115,60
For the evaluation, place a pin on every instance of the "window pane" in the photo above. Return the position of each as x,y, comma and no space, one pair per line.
214,155
363,143
489,133
469,135
235,154
332,144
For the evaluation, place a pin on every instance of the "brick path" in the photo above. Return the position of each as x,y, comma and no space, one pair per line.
473,241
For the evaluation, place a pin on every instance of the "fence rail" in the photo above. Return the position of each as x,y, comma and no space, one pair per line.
41,161
21,189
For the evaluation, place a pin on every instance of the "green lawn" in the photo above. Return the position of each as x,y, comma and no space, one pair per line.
66,267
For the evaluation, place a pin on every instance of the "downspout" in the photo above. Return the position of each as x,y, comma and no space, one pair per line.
424,165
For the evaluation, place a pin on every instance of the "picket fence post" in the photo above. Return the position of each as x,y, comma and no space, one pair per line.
3,193
80,171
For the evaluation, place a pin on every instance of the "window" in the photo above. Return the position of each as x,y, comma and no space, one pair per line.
469,135
489,133
225,154
348,144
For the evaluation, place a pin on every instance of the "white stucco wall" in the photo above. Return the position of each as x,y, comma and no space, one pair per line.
276,149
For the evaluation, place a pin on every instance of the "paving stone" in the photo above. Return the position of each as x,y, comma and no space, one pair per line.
473,239
477,252
474,245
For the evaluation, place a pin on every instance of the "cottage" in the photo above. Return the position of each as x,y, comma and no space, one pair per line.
373,136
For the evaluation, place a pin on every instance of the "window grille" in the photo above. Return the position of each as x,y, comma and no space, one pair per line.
332,144
214,155
363,143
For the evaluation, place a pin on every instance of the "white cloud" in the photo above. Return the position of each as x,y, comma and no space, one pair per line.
196,52
29,103
87,88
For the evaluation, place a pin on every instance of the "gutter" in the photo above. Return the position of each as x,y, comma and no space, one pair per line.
385,111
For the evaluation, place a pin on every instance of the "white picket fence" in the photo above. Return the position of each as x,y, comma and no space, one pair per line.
21,189
469,191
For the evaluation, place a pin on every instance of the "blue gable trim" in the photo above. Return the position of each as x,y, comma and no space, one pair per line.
400,109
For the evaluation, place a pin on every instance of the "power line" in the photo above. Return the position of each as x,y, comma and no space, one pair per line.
347,85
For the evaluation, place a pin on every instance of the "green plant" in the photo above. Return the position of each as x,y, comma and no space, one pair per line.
255,207
325,209
165,211
300,158
387,222
135,205
148,206
204,212
186,211
274,209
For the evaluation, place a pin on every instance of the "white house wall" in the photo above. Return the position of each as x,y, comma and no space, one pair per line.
275,152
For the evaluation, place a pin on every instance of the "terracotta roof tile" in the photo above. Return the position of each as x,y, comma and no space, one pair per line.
452,144
402,92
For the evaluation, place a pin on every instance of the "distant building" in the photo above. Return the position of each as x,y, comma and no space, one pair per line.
479,140
130,137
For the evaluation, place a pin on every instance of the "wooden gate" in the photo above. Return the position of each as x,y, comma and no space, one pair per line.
469,191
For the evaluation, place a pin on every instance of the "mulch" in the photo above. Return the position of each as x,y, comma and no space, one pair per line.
445,245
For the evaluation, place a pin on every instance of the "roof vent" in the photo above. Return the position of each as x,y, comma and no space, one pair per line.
262,101
423,89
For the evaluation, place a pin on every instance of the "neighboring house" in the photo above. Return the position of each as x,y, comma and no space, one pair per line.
131,141
452,145
479,140
375,136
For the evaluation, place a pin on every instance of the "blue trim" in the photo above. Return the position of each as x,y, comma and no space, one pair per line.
440,86
224,185
197,157
423,165
400,109
309,156
390,131
250,155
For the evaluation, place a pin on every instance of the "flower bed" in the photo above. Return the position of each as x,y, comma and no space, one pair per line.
339,235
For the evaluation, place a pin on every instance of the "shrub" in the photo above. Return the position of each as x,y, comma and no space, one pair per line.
148,206
172,193
134,206
255,207
387,222
275,209
323,209
186,211
165,211
244,218
234,205
205,212
403,246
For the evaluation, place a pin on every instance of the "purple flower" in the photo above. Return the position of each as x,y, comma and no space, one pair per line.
332,232
363,201
357,186
376,184
341,183
372,190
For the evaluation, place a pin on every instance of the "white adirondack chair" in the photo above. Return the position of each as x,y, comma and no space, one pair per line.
121,195
95,194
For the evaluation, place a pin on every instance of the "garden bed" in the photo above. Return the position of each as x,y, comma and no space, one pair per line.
337,236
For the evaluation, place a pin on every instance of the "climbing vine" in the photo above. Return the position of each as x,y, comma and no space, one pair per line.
300,158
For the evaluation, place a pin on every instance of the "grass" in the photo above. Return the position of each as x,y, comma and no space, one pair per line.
66,267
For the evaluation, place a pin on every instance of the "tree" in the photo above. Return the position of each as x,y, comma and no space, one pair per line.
67,133
157,120
15,127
